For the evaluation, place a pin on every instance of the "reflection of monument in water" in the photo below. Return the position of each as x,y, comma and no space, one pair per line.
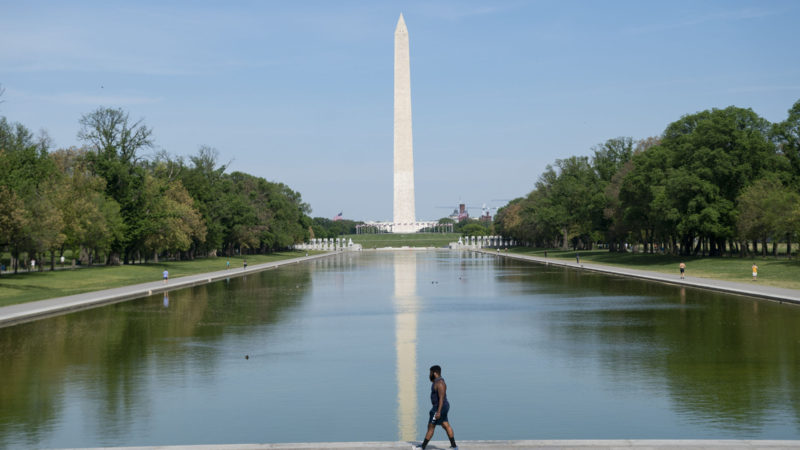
406,304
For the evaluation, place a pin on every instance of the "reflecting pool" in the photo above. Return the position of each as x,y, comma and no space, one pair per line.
338,349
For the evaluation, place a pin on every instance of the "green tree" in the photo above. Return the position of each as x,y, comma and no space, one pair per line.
28,172
610,156
474,229
205,181
114,145
768,209
686,187
261,215
786,135
173,222
611,161
92,220
13,218
575,200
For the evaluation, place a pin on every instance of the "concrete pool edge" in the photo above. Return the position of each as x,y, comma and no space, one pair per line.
40,309
729,287
653,444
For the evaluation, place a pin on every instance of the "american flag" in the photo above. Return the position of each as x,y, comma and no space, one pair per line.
337,217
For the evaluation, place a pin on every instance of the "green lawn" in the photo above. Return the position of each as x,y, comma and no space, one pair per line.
26,287
400,240
779,272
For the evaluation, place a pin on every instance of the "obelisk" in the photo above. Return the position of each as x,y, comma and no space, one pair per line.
404,217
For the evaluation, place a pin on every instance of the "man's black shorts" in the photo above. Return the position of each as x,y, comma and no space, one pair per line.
442,418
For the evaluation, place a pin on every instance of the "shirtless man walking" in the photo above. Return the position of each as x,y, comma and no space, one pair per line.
438,412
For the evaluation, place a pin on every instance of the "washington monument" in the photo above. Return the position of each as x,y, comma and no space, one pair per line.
404,216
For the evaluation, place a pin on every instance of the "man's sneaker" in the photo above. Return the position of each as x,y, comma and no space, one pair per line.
416,447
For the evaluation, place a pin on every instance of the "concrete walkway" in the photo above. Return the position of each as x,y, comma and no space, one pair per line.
25,312
516,445
753,288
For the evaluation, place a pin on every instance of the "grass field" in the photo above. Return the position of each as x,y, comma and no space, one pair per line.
778,272
399,240
26,287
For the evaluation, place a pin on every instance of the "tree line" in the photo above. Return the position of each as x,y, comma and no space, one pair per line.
106,202
720,181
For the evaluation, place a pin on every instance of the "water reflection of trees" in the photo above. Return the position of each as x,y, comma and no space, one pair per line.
108,354
727,361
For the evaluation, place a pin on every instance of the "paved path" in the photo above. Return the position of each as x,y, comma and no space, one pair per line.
516,445
753,288
25,312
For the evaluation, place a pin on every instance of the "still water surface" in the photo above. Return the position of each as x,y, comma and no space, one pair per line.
338,350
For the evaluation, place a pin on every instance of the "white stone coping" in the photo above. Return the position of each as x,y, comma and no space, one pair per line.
610,444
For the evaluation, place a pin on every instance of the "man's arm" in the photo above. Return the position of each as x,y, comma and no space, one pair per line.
441,388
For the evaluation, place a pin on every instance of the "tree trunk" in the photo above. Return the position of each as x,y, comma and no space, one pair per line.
52,260
113,259
155,256
764,246
83,256
565,244
789,245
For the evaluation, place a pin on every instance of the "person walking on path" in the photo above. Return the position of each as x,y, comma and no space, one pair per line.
227,264
755,271
683,269
439,410
577,258
166,276
245,264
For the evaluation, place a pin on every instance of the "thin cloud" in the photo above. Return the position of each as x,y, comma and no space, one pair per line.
758,89
723,16
82,98
459,11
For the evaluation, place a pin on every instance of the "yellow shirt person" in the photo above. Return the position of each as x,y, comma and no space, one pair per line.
755,271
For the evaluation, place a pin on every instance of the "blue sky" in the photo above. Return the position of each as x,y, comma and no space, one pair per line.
301,92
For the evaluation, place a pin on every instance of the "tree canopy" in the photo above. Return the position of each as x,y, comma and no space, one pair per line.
107,202
714,181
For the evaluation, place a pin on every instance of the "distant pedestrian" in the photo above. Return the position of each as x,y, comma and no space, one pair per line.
755,271
245,264
227,265
166,276
438,412
683,269
545,253
577,258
